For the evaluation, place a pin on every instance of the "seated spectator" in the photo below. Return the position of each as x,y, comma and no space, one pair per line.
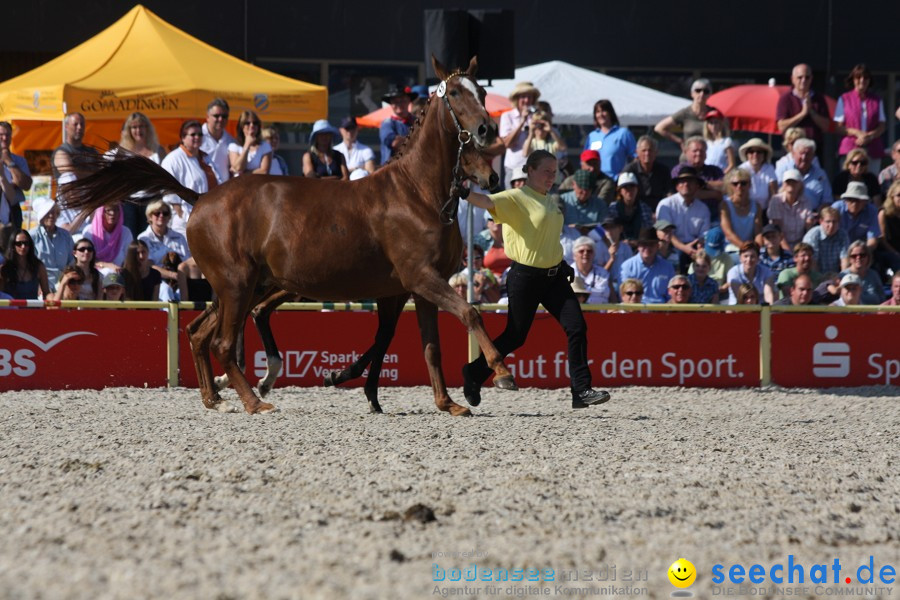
632,291
747,294
804,264
22,274
595,277
144,278
860,257
543,136
86,261
192,285
169,286
590,161
279,165
799,293
251,153
495,258
158,237
858,217
484,279
741,217
583,210
581,292
711,177
615,144
816,186
750,271
891,173
894,300
773,255
688,120
719,145
650,269
704,289
790,210
690,217
322,160
720,261
633,213
652,177
612,250
69,284
665,233
829,242
756,155
460,284
856,170
109,235
786,162
114,288
357,156
53,245
887,254
850,291
679,290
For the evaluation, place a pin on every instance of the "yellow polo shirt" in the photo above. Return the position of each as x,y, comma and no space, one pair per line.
532,224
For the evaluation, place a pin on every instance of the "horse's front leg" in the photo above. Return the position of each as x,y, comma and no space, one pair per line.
426,313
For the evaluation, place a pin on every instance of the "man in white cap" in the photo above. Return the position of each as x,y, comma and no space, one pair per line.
52,244
850,291
858,217
514,126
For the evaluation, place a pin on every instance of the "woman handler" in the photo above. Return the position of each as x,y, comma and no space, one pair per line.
532,224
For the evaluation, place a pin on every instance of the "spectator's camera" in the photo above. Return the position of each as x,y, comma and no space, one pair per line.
532,109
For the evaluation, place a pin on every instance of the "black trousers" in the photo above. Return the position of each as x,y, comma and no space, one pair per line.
526,288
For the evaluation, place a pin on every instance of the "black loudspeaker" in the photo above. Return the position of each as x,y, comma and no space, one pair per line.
455,36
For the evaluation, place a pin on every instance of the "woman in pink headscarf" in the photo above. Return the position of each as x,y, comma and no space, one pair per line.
110,238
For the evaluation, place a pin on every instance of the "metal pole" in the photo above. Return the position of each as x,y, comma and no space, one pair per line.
172,350
765,346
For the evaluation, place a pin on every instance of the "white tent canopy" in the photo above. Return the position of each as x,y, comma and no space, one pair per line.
572,92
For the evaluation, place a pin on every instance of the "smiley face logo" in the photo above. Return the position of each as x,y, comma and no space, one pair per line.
682,573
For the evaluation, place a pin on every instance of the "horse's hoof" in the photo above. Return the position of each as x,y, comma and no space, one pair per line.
460,411
506,383
329,379
264,408
375,408
263,389
225,407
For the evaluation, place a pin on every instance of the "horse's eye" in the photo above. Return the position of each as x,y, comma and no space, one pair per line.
454,93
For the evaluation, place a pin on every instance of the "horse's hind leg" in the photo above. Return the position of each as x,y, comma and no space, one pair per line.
200,332
261,315
426,313
389,310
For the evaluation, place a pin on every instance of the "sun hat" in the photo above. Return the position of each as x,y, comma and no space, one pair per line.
322,125
518,173
627,178
590,155
395,90
754,143
523,88
856,190
647,236
792,175
41,207
585,179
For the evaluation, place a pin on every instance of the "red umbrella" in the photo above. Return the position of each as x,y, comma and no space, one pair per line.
752,107
495,104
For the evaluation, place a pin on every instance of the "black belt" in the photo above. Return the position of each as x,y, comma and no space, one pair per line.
551,272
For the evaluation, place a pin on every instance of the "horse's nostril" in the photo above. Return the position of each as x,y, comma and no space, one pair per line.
482,131
494,179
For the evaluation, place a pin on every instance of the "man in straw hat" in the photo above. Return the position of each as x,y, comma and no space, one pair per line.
395,129
53,245
755,156
514,126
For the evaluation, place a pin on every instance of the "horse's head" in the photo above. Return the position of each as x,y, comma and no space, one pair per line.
478,168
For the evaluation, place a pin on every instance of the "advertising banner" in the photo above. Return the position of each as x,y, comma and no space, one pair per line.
82,349
830,349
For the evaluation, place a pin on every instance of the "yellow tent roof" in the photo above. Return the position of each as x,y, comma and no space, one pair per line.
141,63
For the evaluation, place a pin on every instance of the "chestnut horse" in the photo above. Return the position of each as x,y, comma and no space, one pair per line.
384,236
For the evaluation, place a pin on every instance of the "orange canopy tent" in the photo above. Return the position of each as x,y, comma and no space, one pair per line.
495,104
142,63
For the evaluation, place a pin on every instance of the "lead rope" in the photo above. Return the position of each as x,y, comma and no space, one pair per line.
457,190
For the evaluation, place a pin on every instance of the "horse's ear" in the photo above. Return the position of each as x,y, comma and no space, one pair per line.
473,67
439,70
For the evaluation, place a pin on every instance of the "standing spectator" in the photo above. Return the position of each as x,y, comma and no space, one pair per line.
216,140
395,129
804,264
688,120
514,126
740,216
719,145
691,218
138,136
649,268
894,300
144,277
856,170
322,160
773,254
802,107
800,292
543,136
109,235
605,187
15,179
633,213
860,262
790,210
632,291
594,277
711,177
159,237
653,178
250,153
816,187
615,144
279,165
187,164
756,155
22,274
704,289
850,291
829,241
71,161
858,217
751,272
890,173
53,245
887,254
859,115
86,262
679,290
358,156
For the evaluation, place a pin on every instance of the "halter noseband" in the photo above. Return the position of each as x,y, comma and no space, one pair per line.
464,136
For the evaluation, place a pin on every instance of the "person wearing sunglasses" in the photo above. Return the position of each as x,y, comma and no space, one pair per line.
632,291
858,217
322,160
756,155
679,290
22,274
856,169
251,153
216,140
860,257
188,165
690,119
741,217
159,237
86,261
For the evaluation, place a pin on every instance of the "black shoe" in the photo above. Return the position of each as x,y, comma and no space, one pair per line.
471,390
589,397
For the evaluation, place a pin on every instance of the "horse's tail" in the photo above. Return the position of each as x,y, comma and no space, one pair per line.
120,177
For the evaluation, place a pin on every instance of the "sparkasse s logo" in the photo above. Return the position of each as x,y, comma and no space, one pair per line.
831,359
